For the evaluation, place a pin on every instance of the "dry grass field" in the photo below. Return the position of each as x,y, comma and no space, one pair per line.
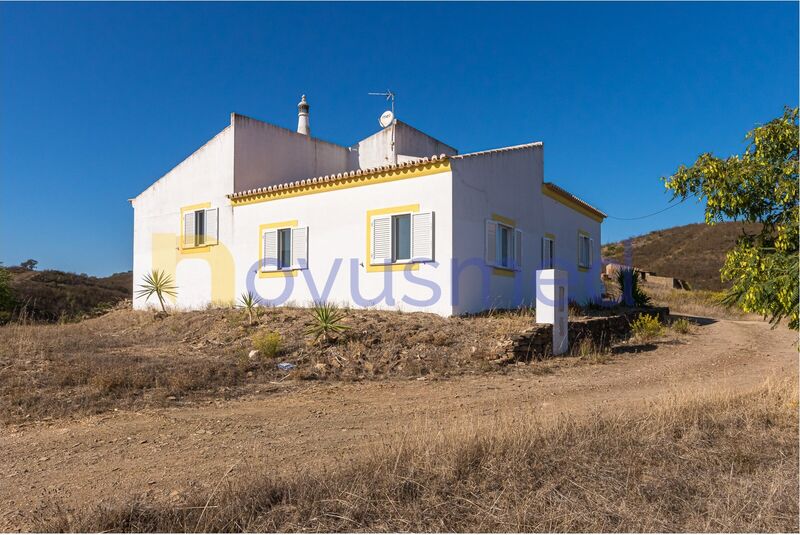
694,463
129,422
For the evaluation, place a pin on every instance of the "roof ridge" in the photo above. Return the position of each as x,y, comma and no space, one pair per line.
338,176
499,149
574,197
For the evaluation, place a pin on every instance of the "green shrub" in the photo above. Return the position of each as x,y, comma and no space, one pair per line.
681,326
268,344
647,327
7,301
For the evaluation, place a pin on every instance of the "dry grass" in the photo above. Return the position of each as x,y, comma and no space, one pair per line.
721,463
700,303
131,360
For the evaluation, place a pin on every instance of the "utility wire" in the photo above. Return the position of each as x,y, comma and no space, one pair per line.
648,215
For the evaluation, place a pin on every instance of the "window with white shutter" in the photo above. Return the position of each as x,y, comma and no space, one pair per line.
422,236
300,248
584,251
548,246
401,238
382,240
199,227
188,229
212,227
517,249
503,245
491,242
269,260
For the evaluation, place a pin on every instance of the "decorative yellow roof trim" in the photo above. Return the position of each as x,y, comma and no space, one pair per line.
342,181
571,201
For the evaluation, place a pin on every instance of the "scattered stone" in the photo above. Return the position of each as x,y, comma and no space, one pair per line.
255,354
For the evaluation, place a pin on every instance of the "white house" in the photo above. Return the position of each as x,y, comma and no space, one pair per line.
399,220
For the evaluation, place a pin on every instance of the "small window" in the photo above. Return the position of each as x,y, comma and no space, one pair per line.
401,238
584,251
200,227
284,249
548,252
503,245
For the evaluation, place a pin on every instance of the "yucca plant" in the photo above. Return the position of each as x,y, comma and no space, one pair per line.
327,322
250,303
160,283
628,280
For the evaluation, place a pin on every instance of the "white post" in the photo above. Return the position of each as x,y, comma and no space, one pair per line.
551,305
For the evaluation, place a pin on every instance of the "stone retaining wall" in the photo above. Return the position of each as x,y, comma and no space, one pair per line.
536,343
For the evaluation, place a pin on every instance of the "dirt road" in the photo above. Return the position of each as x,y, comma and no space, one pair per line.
162,453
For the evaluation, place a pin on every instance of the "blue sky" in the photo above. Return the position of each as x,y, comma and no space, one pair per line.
100,100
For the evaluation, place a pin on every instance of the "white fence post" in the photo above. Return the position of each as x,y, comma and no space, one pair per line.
552,305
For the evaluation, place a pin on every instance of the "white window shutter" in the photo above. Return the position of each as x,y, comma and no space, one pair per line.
382,240
491,242
212,226
517,249
269,262
300,248
188,229
548,249
422,236
591,252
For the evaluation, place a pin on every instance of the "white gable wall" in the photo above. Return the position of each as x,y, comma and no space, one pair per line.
206,176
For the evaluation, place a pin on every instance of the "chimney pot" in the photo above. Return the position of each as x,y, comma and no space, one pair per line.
303,126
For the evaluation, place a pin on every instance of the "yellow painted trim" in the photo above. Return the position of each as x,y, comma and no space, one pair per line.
505,220
346,182
282,274
195,248
382,268
550,236
570,203
503,272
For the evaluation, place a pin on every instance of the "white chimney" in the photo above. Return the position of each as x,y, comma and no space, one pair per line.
302,118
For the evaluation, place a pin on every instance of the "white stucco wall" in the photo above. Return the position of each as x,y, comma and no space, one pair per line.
337,223
503,183
206,176
509,184
266,154
565,223
410,144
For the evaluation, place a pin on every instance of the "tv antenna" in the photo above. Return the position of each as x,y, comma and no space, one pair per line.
387,119
388,94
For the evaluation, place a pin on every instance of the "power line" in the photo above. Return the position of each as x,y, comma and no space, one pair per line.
648,215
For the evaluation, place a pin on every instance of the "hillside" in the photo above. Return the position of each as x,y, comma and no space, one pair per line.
50,295
694,253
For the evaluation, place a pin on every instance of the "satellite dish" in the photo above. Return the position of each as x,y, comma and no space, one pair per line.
386,119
